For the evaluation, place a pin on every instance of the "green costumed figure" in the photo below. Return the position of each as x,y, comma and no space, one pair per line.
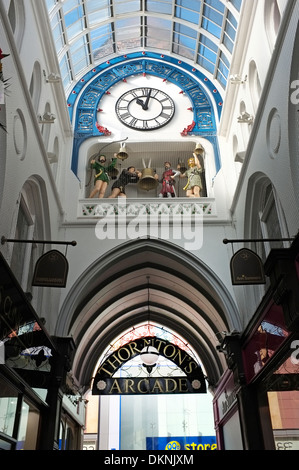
101,178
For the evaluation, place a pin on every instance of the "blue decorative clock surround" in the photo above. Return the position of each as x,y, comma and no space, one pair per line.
88,92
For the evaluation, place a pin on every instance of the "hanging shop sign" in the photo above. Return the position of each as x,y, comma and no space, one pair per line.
107,382
51,270
247,268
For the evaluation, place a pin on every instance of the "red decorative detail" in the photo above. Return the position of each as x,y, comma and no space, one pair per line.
181,92
99,110
162,56
179,62
220,103
82,80
188,129
124,80
125,56
93,70
190,109
2,56
74,92
205,79
164,80
214,91
102,129
69,105
108,93
143,53
144,74
193,70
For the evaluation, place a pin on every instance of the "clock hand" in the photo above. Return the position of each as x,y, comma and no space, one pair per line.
139,101
145,106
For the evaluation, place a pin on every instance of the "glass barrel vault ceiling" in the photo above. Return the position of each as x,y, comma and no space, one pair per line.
88,32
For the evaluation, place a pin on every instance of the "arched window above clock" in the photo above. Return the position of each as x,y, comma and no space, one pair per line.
87,33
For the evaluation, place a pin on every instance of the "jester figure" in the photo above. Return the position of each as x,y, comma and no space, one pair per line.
194,172
168,189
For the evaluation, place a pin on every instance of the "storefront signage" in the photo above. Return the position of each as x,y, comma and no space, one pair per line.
192,443
227,397
51,270
107,382
247,268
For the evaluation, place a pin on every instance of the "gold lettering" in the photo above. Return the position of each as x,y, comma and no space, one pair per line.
158,386
115,386
183,385
179,354
190,367
146,385
133,347
169,346
129,386
103,368
167,388
112,363
123,359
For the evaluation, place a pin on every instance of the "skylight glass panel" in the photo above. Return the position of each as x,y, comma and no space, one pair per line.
211,27
73,17
97,5
57,31
50,4
207,53
207,50
158,33
188,10
223,69
126,6
184,39
237,4
65,71
80,55
127,33
98,11
101,40
164,7
216,5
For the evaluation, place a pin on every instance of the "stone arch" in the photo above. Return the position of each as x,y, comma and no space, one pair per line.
113,294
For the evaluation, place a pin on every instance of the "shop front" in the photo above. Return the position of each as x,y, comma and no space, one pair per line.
263,365
33,372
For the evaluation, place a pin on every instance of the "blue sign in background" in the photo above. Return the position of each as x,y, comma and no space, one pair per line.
181,443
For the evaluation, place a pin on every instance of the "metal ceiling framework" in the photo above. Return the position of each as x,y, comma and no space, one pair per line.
88,32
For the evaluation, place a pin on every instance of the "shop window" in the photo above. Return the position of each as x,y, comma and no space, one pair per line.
8,410
28,427
283,399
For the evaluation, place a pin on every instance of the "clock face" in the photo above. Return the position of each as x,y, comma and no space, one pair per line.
145,109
